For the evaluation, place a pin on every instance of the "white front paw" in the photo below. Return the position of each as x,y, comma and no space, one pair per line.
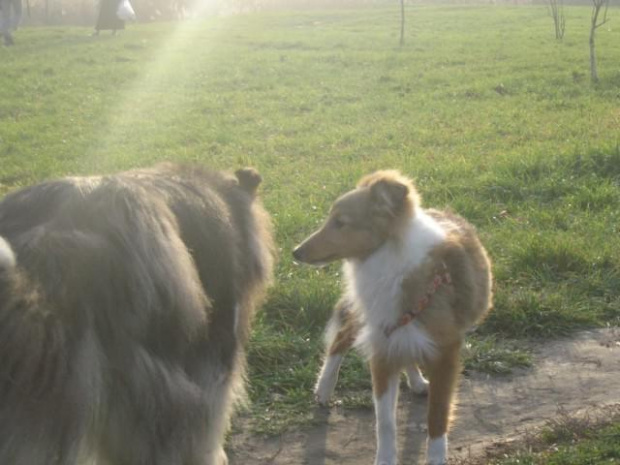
383,460
217,457
223,459
437,451
436,462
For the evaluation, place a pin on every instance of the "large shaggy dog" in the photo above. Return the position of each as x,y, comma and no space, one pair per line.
125,305
416,281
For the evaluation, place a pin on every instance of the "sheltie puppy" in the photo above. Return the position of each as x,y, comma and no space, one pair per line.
125,306
415,281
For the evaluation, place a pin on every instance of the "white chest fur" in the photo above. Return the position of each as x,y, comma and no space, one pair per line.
376,284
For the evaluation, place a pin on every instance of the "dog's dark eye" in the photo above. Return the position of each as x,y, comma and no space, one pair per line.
338,223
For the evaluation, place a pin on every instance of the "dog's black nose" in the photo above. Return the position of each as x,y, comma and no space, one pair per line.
297,254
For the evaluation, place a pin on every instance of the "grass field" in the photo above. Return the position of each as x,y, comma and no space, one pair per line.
490,114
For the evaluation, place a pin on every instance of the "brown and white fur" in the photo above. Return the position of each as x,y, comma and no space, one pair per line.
125,306
392,249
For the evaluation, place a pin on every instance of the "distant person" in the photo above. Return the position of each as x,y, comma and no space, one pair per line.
10,17
108,19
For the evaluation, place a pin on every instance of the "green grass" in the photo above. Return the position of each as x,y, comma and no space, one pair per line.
490,115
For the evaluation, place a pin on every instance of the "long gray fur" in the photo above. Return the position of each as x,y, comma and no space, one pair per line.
124,319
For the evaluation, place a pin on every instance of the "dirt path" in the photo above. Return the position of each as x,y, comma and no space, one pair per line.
574,375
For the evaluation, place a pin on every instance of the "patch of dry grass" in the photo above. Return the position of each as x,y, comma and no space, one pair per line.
559,435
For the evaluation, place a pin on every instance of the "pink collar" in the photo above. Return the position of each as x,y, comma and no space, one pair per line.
441,277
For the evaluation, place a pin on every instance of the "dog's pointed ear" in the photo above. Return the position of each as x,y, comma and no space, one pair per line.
249,179
389,195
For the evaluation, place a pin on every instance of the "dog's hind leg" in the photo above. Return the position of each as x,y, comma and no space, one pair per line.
415,380
341,333
328,377
443,373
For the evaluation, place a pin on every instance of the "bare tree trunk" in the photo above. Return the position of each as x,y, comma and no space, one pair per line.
597,5
402,22
559,19
593,70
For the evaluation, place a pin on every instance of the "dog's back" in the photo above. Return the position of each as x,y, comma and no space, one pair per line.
124,314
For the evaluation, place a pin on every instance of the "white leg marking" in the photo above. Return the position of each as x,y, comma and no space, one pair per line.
220,402
417,383
328,378
223,458
385,410
7,256
217,457
437,450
